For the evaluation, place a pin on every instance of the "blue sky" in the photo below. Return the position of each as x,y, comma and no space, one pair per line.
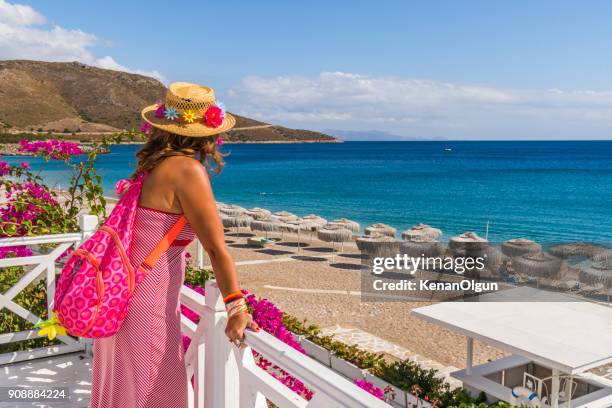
458,70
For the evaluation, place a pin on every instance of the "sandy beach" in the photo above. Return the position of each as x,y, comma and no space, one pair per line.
309,286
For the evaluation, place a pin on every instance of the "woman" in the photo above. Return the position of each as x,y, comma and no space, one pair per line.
142,366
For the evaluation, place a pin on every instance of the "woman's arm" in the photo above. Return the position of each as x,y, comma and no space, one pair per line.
195,195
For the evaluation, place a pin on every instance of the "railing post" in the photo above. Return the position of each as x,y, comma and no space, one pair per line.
221,366
88,223
199,255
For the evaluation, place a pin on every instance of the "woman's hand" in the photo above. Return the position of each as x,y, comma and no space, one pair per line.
237,324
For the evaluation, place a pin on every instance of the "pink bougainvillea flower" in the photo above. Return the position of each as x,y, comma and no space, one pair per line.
219,140
160,112
371,388
213,116
25,165
55,149
146,128
5,168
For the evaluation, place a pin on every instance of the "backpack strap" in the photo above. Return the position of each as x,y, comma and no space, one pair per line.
163,245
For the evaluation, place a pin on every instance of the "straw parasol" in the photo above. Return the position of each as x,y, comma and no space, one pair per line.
597,273
538,264
310,223
377,244
258,213
421,245
421,230
240,221
334,234
576,249
467,241
604,256
232,210
520,246
380,229
285,216
295,227
266,225
315,221
346,224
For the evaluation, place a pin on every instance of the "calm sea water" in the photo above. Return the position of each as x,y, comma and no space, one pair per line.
547,191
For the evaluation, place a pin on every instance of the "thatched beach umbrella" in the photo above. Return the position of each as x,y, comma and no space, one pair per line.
258,213
346,224
315,221
421,230
232,210
296,227
334,234
468,241
266,225
380,229
576,249
240,221
597,273
604,256
285,216
422,245
538,264
520,246
377,244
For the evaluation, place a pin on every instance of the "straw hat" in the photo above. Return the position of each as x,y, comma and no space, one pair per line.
183,112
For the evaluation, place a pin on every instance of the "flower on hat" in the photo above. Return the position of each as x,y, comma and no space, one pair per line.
171,114
160,112
213,116
146,128
189,116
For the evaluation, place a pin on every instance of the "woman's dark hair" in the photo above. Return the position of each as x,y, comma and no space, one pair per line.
162,144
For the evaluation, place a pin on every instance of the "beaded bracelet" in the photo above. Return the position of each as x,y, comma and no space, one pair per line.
236,310
233,296
236,306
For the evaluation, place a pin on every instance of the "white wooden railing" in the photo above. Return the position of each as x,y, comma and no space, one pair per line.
43,266
224,377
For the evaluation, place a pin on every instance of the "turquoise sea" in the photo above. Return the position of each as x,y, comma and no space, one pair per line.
547,191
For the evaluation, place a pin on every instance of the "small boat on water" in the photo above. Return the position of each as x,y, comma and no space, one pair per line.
448,149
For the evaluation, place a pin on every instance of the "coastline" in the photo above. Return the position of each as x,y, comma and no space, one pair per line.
12,149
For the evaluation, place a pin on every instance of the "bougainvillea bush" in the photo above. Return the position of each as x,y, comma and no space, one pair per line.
30,207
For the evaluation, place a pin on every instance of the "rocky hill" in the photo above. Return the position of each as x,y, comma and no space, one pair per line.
76,98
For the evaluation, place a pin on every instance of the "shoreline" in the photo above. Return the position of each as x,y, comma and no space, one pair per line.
12,149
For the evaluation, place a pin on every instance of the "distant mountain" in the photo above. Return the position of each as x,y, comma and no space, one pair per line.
375,135
74,97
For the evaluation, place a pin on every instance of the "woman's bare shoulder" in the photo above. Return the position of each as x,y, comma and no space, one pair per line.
183,170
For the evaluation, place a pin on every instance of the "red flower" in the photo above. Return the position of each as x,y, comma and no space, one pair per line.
213,116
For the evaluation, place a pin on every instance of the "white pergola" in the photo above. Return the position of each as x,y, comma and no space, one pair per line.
565,334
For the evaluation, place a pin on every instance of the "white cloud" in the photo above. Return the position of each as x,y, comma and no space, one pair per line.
415,107
24,34
109,63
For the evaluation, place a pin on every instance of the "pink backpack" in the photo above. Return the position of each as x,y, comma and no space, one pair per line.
95,286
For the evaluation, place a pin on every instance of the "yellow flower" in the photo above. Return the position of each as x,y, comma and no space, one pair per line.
189,116
51,327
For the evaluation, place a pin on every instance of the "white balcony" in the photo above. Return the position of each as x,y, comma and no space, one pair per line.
224,377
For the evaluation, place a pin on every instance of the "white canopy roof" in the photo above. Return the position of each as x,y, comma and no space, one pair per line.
572,336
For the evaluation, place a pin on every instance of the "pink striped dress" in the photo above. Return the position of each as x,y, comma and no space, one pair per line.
142,366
